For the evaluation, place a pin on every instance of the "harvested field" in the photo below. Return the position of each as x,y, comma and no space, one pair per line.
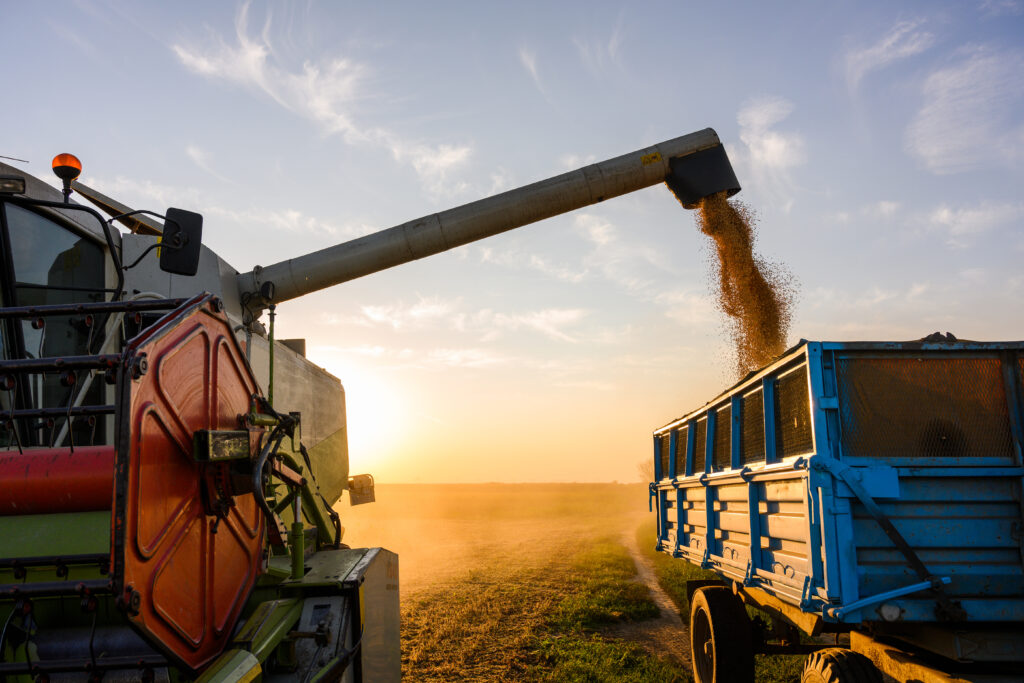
535,582
504,582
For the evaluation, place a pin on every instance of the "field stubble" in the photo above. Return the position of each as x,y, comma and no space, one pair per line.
516,582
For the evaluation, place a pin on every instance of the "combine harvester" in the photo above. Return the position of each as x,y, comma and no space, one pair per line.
169,469
866,489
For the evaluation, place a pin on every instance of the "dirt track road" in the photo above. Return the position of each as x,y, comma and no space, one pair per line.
666,636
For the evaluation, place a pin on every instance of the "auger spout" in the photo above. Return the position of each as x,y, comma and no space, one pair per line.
694,165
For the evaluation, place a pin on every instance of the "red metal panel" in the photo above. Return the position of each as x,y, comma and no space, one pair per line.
185,577
51,480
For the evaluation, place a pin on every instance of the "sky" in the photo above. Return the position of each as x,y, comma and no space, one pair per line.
881,145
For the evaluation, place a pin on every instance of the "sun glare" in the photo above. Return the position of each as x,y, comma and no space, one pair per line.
376,411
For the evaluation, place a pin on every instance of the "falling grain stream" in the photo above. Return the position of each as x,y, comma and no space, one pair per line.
754,294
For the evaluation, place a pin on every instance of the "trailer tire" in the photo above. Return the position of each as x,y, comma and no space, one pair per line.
839,665
721,643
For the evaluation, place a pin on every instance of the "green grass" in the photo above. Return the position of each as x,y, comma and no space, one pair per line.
592,659
673,573
605,593
572,648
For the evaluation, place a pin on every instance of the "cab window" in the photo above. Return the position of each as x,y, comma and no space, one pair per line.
51,264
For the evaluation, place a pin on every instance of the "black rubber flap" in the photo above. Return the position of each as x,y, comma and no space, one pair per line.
701,174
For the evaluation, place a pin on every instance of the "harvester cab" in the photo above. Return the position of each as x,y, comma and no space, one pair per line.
169,469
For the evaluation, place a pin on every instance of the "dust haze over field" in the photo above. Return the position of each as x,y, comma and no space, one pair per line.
443,530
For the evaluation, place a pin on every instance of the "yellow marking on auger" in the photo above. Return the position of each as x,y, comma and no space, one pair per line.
251,675
651,158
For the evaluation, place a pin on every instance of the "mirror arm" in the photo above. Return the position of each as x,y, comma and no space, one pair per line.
133,213
177,244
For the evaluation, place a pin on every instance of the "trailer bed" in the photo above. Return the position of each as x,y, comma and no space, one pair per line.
859,482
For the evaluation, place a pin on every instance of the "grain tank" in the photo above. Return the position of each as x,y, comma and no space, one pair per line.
169,469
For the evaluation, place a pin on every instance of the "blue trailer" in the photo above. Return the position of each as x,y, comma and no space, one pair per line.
865,488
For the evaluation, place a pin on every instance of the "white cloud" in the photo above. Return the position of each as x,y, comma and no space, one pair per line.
198,156
963,223
368,351
634,268
563,273
528,59
628,265
598,53
1001,8
874,298
761,113
147,194
975,277
882,209
768,148
462,358
770,153
431,359
971,116
450,314
903,40
426,311
322,92
501,180
522,260
597,230
689,308
550,322
291,220
201,159
571,162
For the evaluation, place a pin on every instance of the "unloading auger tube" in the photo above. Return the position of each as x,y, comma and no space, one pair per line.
694,166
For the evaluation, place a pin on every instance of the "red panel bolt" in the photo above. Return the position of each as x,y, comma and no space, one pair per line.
134,602
140,366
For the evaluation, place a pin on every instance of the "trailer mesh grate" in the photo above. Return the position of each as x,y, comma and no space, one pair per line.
721,456
923,407
700,445
752,415
683,433
663,452
793,415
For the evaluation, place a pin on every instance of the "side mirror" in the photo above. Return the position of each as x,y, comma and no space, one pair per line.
360,489
179,245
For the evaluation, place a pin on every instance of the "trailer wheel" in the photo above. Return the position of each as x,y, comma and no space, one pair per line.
720,637
839,665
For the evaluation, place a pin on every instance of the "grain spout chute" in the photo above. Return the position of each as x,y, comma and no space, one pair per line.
693,165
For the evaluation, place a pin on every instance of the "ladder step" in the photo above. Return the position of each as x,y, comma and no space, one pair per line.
95,307
56,364
43,413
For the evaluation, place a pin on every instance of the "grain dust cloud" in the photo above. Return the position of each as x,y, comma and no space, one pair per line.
755,295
